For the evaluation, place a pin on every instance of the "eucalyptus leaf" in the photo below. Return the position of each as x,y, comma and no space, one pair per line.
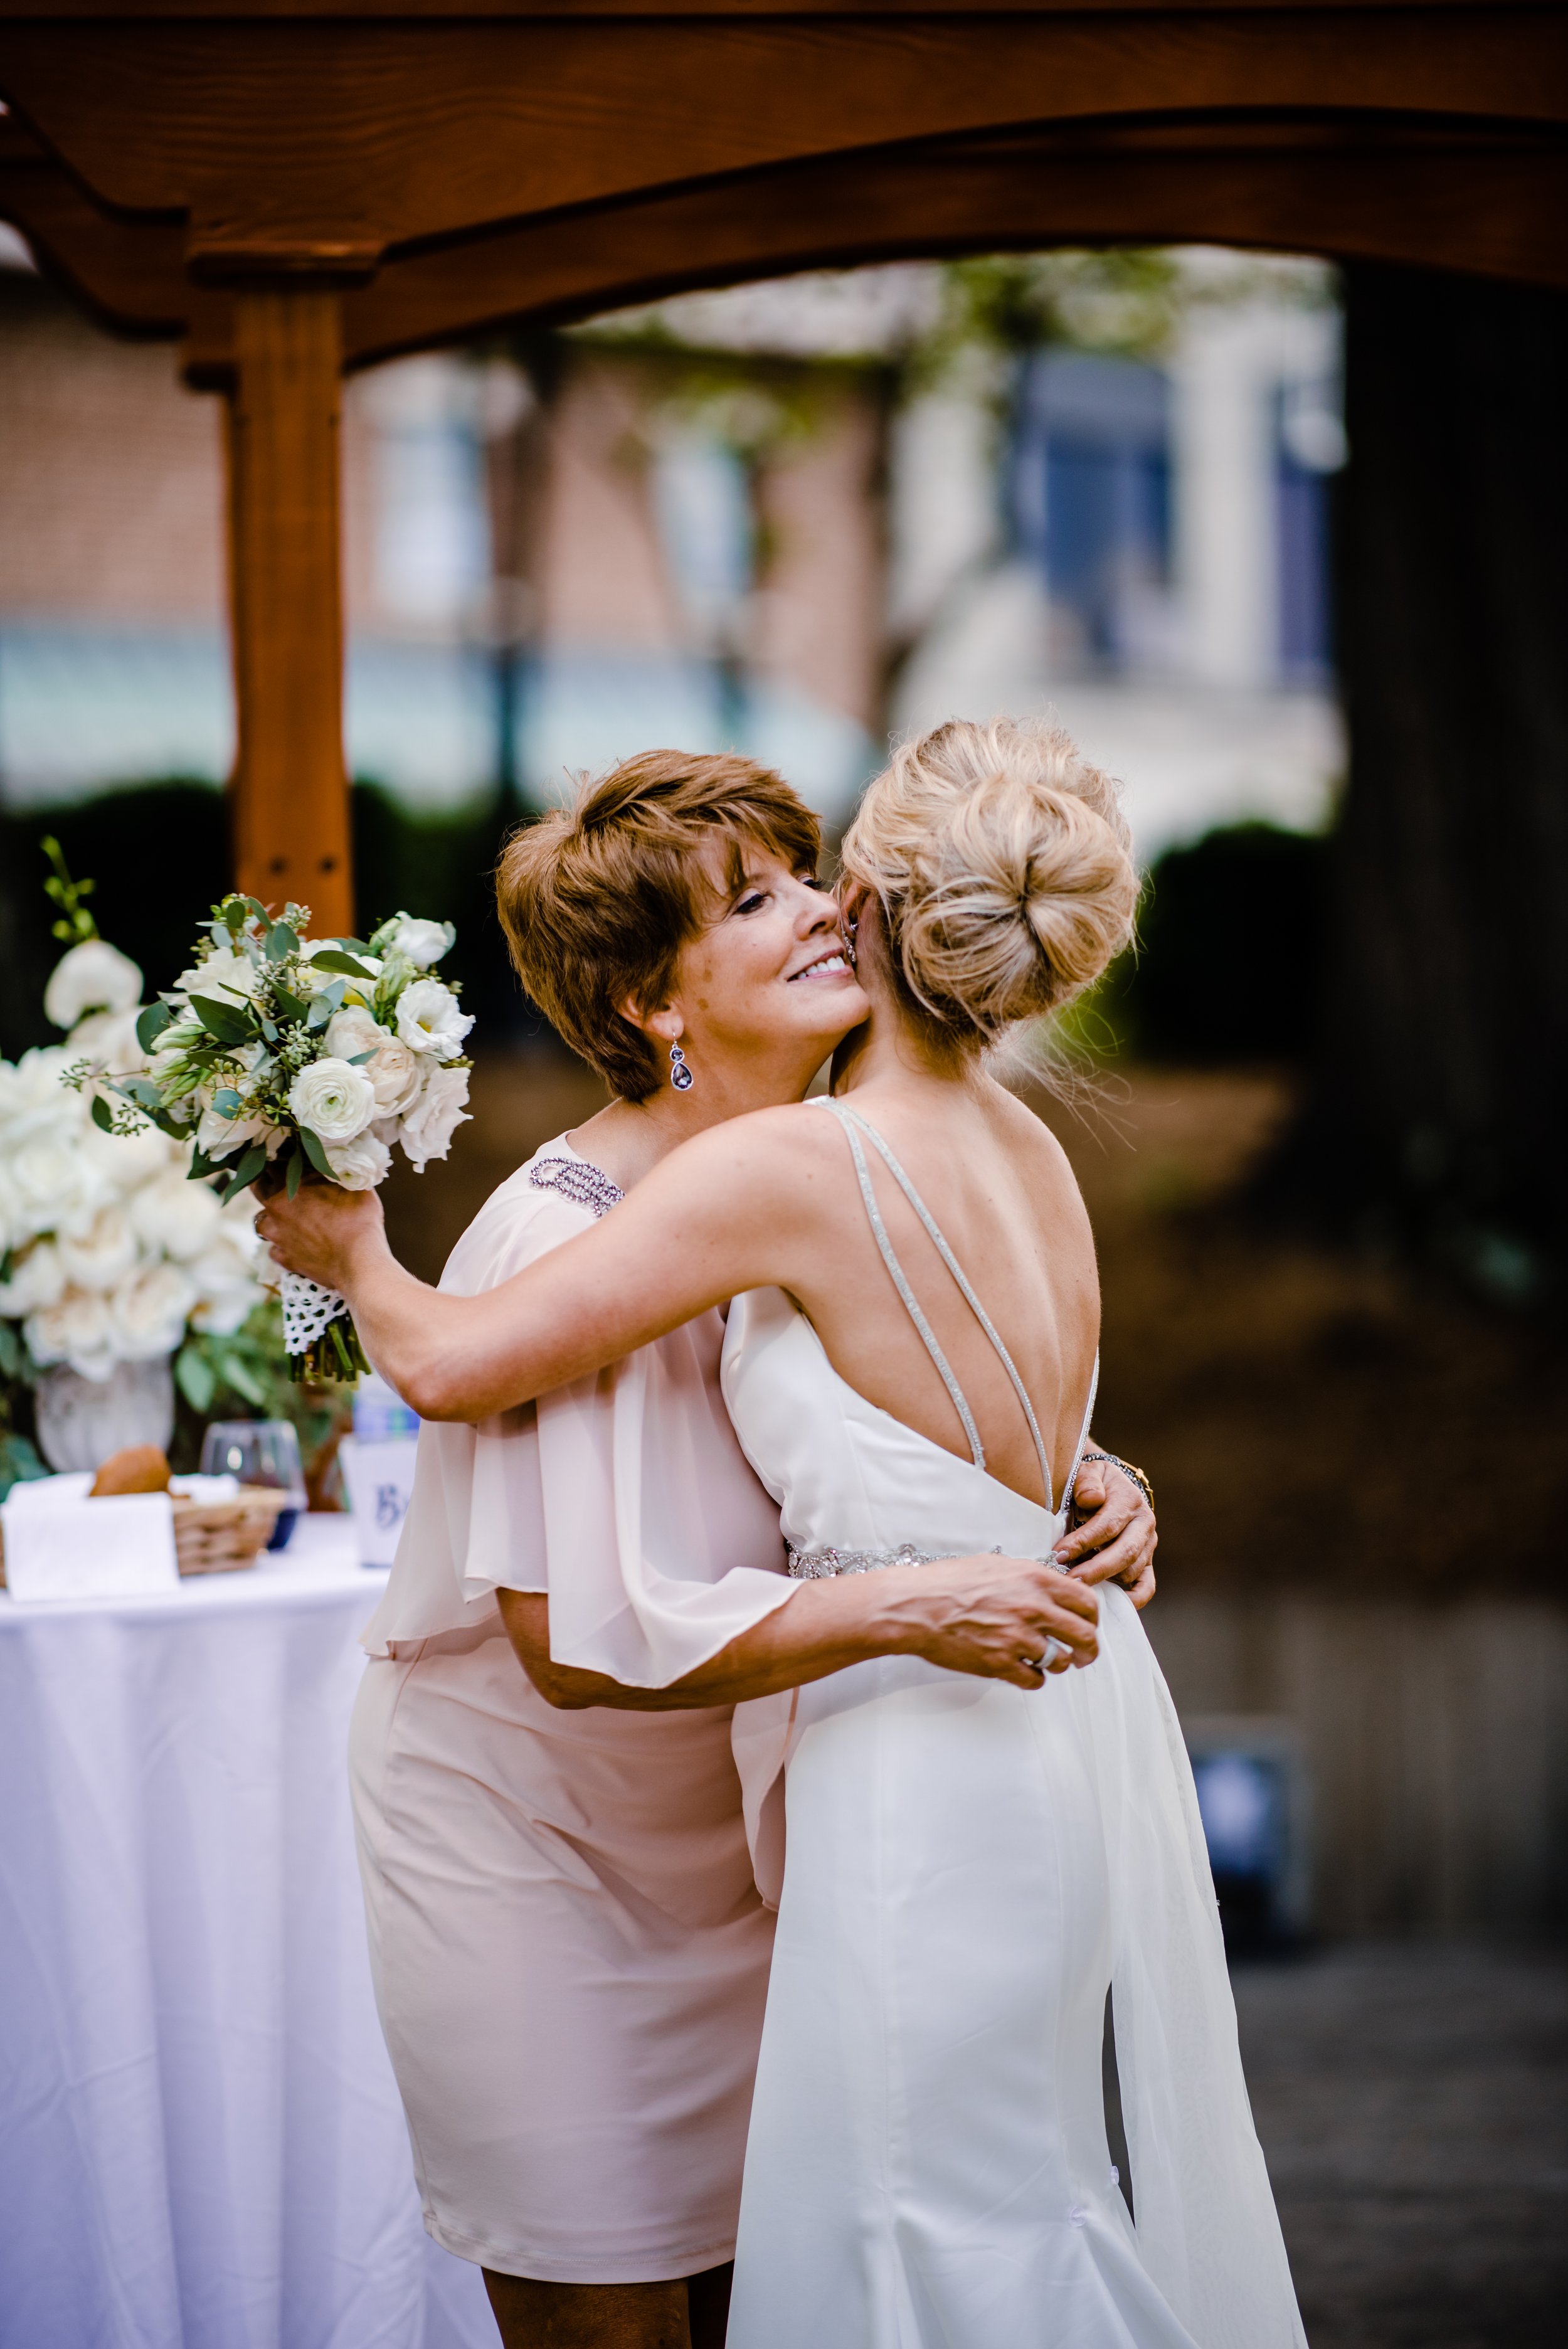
280,943
330,959
246,1172
289,1008
314,1150
224,1020
296,1173
102,1116
151,1023
227,1103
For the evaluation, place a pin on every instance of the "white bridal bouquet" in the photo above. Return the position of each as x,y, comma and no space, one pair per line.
313,1055
106,1253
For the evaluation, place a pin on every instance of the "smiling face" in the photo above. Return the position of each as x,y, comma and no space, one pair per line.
768,974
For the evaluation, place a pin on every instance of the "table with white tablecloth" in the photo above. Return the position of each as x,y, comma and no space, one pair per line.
200,2143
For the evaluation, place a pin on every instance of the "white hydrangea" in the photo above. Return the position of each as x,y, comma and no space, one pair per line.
175,1217
92,977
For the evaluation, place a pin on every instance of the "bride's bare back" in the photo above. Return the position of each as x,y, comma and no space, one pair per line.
999,1185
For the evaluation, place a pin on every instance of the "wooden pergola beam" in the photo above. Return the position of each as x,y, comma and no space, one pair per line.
294,182
290,792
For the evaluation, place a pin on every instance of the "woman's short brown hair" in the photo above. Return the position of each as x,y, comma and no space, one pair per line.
597,898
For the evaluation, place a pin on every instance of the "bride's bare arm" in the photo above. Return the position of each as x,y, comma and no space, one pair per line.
980,1615
724,1212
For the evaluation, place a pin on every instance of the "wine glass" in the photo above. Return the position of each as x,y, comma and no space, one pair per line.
259,1451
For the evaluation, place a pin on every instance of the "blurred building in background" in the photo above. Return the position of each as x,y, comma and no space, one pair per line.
791,518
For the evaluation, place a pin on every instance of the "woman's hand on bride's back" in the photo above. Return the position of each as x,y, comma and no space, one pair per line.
322,1231
997,1616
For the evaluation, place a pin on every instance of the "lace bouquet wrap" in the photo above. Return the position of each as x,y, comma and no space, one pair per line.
313,1057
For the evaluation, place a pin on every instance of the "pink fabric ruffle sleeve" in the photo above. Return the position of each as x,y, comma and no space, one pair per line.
625,1497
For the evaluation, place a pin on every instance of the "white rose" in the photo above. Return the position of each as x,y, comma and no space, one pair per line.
103,1254
419,942
227,972
93,977
395,1072
428,1020
78,1330
35,1097
429,1125
125,1161
54,1183
174,1217
361,1163
148,1313
333,1099
223,1279
37,1279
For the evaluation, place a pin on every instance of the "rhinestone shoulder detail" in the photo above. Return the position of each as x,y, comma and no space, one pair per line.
576,1180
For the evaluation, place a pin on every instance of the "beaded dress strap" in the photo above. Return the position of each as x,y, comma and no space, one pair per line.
577,1179
850,1119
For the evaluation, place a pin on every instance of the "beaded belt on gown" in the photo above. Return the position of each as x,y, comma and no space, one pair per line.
817,1565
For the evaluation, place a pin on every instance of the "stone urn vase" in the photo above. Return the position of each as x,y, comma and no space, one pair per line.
81,1422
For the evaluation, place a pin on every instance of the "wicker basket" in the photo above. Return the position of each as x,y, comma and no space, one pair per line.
216,1536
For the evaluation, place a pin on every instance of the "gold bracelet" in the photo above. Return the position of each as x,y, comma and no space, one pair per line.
1115,1460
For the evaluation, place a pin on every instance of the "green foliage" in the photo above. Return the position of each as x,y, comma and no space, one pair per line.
1126,302
246,1372
74,922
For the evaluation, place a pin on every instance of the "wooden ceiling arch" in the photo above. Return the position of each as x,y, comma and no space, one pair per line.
294,186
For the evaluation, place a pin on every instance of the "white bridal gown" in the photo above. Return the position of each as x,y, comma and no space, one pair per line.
970,1865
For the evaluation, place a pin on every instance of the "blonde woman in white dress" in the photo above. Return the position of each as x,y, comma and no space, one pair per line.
972,1861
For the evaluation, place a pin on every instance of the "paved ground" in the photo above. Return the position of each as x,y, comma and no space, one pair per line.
1413,2103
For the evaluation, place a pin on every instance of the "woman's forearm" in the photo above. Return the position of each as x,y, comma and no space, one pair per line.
986,1615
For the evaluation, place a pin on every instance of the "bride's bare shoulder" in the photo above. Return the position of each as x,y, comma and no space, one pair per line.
764,1149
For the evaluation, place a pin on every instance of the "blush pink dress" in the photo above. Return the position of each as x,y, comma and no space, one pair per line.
570,1952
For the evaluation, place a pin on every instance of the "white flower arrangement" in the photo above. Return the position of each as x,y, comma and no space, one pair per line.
107,1254
315,1055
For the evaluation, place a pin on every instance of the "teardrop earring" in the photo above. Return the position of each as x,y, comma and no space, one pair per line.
851,928
681,1076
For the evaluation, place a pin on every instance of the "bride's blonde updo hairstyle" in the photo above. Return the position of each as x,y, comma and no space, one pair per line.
1004,866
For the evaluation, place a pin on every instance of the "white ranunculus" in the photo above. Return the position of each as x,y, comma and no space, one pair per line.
430,1020
227,974
101,1256
174,1217
361,1163
429,1125
335,1100
149,1310
419,942
92,977
37,1279
79,1330
353,1030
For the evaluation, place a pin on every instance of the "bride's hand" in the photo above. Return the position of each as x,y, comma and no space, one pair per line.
322,1231
997,1616
1118,1536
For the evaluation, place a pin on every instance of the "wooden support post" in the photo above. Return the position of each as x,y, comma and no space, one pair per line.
289,789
